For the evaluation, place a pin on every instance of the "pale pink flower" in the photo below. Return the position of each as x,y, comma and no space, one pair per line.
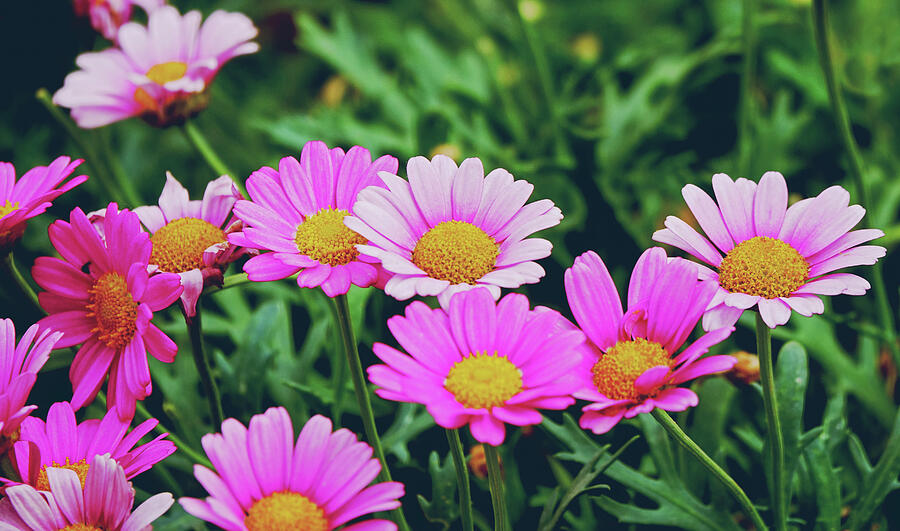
108,15
777,258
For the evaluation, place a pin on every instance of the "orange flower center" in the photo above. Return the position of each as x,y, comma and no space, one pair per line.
324,237
8,208
483,380
115,310
159,74
618,368
763,266
456,251
81,527
285,511
80,467
179,245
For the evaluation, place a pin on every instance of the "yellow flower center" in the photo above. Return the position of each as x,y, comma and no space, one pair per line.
618,368
482,380
8,208
80,467
324,237
159,74
115,310
456,251
286,511
763,266
81,527
179,245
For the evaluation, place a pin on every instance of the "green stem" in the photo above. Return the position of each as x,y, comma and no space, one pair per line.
773,424
201,360
688,444
498,496
749,72
842,119
101,172
339,373
209,154
115,167
362,396
9,265
462,478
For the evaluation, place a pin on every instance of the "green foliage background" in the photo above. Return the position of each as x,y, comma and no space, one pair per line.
609,108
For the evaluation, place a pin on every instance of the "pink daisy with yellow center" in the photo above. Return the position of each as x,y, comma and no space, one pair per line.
449,228
100,295
190,237
777,258
159,72
480,362
108,15
264,482
62,443
19,366
630,364
31,195
100,501
298,212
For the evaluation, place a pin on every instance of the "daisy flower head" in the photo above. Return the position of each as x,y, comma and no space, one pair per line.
101,501
630,364
264,481
62,442
101,296
480,362
777,258
19,366
31,195
160,72
189,237
108,15
298,212
449,228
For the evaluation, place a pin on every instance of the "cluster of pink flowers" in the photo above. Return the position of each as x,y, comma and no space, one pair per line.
335,219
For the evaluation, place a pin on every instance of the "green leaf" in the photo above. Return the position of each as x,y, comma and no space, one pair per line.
880,482
443,508
826,483
791,379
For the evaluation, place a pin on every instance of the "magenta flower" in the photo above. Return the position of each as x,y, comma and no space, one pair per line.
31,195
298,212
450,228
108,309
62,443
630,366
480,362
108,15
189,237
776,258
264,481
159,72
103,500
19,366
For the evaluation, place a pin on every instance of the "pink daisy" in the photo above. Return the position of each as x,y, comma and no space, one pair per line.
108,15
189,237
629,366
108,309
264,481
19,366
480,362
102,501
776,258
452,228
159,72
298,212
31,195
63,443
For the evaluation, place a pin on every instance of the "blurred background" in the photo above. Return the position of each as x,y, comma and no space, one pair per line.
608,107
